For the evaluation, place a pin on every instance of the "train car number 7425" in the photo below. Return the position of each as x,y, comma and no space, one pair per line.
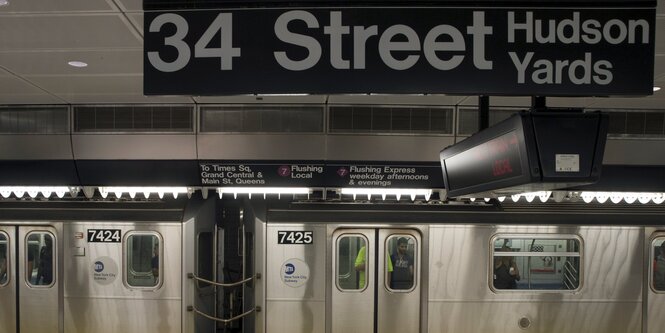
104,235
295,237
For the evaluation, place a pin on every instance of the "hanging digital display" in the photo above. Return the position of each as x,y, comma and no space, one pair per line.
494,160
527,152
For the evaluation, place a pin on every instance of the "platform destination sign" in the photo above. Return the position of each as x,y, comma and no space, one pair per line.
321,174
261,175
571,51
384,175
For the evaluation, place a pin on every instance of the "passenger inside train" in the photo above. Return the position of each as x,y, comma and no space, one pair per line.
402,276
143,253
30,265
360,263
3,268
45,268
154,262
361,260
659,268
3,259
506,272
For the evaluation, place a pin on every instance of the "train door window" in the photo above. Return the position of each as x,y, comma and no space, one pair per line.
40,259
351,262
536,262
402,252
4,259
143,259
658,259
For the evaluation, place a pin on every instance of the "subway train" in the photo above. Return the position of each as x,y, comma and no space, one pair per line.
140,261
299,265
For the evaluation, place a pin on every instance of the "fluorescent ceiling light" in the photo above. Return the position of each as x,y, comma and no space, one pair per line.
656,89
628,197
281,95
118,191
600,197
543,196
262,190
33,191
383,192
76,63
4,2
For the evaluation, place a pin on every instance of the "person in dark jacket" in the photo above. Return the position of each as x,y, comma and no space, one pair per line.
3,269
45,268
154,262
402,276
659,269
506,273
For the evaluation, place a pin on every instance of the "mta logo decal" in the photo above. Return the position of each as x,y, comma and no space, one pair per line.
99,266
290,269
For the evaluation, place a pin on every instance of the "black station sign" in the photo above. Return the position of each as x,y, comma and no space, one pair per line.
527,152
321,174
233,174
588,51
384,175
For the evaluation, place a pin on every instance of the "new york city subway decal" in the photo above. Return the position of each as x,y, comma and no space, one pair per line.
493,51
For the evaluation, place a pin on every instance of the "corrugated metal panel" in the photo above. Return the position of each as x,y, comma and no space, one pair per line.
133,118
34,120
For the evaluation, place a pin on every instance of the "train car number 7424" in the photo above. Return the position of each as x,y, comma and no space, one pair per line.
295,237
104,235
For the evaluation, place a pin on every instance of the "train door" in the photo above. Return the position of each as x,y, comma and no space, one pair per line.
656,287
376,280
7,280
29,281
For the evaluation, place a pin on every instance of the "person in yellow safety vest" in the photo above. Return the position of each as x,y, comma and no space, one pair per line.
360,266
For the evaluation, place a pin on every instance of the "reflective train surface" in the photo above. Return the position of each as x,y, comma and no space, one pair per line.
280,265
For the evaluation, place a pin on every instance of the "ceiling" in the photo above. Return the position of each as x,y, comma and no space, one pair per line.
39,37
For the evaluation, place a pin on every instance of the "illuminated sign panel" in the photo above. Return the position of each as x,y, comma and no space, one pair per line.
527,152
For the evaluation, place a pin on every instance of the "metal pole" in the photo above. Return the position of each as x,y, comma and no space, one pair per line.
244,262
483,112
538,103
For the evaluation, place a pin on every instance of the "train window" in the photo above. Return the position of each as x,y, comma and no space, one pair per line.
40,259
538,262
4,257
351,262
658,250
402,252
144,266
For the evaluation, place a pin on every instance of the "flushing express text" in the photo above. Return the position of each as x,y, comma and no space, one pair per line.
453,50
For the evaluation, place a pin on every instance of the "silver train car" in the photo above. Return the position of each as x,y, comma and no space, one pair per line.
195,265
